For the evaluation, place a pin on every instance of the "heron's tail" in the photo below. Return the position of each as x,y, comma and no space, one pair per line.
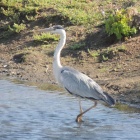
109,100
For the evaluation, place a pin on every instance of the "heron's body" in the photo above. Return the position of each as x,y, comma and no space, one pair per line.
79,84
75,82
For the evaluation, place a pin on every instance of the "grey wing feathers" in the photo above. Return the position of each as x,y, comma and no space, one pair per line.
81,85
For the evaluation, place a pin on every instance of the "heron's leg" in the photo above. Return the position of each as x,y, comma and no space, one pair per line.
81,111
78,119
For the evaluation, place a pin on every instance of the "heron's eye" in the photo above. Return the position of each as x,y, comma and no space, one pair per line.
57,27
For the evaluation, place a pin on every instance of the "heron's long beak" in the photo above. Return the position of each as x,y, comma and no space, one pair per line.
45,30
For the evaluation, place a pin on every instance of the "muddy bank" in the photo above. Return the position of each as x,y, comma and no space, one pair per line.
118,72
119,76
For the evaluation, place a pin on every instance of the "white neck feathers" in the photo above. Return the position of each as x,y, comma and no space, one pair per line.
57,64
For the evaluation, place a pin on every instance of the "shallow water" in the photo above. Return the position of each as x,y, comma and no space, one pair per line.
27,113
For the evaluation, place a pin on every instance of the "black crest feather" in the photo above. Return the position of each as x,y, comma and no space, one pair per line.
58,27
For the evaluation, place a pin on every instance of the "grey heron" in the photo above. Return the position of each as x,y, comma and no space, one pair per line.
75,82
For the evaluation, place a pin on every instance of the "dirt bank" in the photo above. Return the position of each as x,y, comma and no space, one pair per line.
119,75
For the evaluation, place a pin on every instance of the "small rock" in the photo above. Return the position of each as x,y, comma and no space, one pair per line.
4,71
97,76
5,66
19,58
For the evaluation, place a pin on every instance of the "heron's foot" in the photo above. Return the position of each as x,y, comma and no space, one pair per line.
79,119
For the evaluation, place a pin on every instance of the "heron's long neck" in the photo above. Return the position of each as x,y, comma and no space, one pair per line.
59,48
57,64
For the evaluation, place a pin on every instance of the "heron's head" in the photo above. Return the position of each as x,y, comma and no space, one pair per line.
56,29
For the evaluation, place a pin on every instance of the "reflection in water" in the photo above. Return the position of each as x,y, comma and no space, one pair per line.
29,113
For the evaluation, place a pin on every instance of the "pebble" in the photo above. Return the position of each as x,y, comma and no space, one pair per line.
5,66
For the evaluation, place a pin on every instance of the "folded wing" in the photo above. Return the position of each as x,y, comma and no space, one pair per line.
79,84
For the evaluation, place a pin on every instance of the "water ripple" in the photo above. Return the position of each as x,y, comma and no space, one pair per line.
29,113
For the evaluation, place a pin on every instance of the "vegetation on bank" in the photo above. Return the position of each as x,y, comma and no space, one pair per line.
107,53
115,18
119,24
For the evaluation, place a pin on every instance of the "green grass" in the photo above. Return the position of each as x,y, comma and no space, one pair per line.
17,28
77,46
45,37
94,53
107,53
77,12
127,108
122,48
